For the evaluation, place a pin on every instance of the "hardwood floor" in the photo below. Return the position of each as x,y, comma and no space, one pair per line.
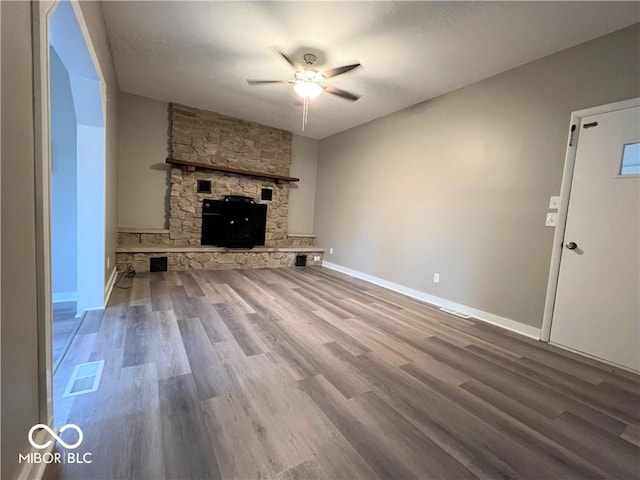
64,326
304,373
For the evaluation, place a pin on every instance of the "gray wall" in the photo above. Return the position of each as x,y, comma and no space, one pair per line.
19,330
143,126
302,194
64,180
18,277
460,185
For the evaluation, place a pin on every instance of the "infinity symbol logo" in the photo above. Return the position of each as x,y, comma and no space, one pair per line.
42,426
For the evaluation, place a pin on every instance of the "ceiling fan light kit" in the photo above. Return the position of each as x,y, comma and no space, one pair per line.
307,82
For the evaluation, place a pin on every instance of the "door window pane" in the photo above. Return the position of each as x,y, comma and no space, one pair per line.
631,159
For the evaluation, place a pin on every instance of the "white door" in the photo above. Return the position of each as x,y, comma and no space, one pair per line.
597,308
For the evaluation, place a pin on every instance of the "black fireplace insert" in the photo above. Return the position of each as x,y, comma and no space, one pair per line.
233,222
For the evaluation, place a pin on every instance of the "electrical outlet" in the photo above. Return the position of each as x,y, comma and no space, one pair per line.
330,250
436,278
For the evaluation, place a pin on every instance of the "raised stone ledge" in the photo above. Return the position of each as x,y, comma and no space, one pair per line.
300,239
209,249
144,237
213,258
155,231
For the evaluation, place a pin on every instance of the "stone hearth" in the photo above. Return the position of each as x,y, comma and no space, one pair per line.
213,258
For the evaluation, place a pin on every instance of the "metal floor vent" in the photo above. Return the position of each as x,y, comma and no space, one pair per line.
84,379
453,312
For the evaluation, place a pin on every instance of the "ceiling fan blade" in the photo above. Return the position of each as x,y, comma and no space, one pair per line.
341,93
263,82
340,70
287,59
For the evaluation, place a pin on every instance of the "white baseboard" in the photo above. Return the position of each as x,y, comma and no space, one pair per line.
109,287
62,297
35,471
487,317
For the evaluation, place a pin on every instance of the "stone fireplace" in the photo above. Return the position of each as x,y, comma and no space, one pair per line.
211,139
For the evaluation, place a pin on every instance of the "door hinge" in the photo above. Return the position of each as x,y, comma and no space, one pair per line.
573,129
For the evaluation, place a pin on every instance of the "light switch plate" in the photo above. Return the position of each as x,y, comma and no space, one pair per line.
554,203
552,219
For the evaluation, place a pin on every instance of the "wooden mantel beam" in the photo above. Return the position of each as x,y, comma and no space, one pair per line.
193,166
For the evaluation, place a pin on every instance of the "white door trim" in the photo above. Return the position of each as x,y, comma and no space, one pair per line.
565,193
41,12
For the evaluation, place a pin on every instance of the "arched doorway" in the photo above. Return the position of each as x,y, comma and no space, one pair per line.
77,177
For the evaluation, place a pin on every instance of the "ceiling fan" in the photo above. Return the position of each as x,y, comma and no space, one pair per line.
308,82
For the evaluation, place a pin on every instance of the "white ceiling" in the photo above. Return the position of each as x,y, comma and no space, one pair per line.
201,53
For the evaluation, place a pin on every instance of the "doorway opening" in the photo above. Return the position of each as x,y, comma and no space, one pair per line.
77,178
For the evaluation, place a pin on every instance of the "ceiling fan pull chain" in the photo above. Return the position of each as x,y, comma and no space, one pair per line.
305,111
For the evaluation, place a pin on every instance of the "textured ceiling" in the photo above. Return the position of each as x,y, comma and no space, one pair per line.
201,53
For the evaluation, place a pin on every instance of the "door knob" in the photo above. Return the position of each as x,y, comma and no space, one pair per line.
571,245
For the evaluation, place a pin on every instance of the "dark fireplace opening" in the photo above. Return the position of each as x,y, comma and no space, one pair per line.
233,222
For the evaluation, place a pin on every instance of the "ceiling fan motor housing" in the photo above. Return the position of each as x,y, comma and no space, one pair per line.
309,75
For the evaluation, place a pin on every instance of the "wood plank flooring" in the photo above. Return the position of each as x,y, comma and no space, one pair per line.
303,373
65,324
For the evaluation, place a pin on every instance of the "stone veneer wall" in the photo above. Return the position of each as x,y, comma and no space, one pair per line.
208,137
